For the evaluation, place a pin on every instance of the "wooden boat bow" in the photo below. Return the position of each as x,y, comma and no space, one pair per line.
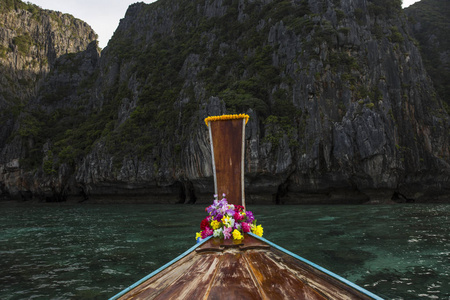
248,268
251,269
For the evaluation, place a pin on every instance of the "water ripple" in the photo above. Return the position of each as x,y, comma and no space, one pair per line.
92,252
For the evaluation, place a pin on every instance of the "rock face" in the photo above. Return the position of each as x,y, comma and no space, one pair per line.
430,22
31,39
341,107
33,44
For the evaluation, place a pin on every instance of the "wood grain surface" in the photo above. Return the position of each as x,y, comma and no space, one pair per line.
247,269
227,138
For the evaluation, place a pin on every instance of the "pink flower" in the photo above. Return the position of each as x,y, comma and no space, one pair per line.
246,227
207,232
227,232
238,216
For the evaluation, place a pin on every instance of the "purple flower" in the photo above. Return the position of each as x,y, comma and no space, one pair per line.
250,217
223,203
210,208
230,211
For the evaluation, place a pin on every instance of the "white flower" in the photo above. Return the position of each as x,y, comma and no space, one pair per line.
217,232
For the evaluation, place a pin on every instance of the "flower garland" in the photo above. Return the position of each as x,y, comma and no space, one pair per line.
227,221
227,117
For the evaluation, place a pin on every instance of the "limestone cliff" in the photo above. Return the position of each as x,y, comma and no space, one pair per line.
430,23
32,42
341,107
31,39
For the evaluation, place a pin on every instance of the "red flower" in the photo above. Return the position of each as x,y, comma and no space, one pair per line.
238,208
204,224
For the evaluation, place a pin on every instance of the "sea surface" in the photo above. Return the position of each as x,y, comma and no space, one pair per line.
87,251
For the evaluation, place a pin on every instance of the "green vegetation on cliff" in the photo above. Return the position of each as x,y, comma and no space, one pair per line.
241,80
6,5
335,90
430,21
229,53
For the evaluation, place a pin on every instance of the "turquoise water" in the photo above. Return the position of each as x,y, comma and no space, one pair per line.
86,251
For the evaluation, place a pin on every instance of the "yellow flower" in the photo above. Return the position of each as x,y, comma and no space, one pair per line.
226,220
198,235
227,117
237,235
215,224
258,230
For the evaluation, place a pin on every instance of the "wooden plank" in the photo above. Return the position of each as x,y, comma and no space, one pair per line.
246,269
196,281
234,280
227,140
329,286
276,280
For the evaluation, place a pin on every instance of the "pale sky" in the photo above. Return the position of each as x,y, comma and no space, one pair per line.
103,15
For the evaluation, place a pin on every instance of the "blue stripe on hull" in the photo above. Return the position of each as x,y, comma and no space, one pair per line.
200,242
349,283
